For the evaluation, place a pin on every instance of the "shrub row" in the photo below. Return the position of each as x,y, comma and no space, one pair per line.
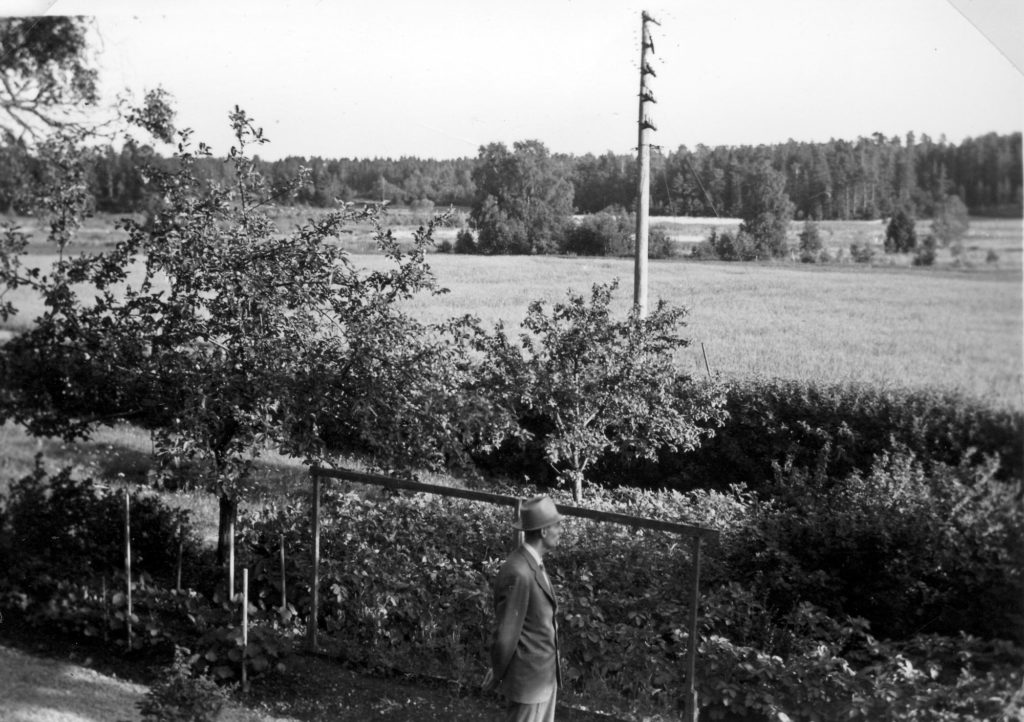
832,429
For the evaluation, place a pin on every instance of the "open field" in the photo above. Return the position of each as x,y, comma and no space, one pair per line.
957,329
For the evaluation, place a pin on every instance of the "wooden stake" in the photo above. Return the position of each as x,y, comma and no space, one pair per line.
705,353
181,546
231,560
245,621
128,562
315,582
690,709
284,593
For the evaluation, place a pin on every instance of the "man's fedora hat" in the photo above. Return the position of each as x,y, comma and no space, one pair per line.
537,513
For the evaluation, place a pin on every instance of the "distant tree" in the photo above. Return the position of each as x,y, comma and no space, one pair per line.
951,222
766,211
47,81
606,385
523,200
464,242
601,234
810,242
925,255
900,235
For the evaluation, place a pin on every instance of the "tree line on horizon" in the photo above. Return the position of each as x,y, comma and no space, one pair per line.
869,178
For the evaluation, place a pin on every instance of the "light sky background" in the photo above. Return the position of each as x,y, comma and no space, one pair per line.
391,78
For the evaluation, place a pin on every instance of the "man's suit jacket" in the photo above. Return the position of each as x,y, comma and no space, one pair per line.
524,648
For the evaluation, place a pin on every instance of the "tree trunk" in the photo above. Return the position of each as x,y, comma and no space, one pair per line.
228,514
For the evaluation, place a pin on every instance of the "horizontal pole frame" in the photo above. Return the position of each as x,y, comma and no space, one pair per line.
389,482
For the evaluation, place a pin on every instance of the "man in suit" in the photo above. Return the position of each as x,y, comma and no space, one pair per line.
524,648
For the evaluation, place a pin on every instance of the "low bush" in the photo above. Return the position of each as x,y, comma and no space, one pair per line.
58,527
182,696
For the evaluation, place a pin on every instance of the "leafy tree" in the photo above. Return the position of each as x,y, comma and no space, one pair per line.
900,236
46,77
604,385
228,338
523,199
951,222
766,211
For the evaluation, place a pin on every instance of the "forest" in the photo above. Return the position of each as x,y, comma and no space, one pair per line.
864,179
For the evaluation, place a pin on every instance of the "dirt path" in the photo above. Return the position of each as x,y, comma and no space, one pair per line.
37,689
41,689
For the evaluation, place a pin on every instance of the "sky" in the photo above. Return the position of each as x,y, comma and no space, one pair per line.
390,78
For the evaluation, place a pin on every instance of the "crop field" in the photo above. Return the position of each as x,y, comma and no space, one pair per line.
956,328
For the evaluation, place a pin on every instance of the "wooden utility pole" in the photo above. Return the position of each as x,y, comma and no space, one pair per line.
643,193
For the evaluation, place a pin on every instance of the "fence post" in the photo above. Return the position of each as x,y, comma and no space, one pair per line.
128,563
690,709
314,605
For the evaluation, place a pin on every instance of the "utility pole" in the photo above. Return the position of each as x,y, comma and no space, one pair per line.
643,193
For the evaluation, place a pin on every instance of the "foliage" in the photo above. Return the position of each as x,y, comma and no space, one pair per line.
766,212
839,428
925,255
660,244
57,527
605,385
810,242
229,338
464,242
523,199
862,252
907,551
900,236
950,223
601,234
220,652
405,589
180,696
726,246
47,75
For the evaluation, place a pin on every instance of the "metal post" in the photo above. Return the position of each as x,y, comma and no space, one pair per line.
314,604
643,193
690,710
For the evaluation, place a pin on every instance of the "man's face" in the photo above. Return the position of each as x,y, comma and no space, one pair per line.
552,535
